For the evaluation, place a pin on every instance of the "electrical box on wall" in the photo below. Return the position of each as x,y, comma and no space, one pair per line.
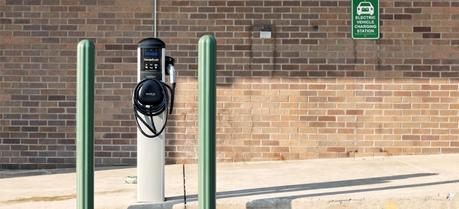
266,32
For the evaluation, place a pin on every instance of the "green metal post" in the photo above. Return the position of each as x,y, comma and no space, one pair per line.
207,109
85,125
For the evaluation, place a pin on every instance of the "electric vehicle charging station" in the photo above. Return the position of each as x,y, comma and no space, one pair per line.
153,102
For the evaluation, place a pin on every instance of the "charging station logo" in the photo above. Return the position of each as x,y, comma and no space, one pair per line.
365,8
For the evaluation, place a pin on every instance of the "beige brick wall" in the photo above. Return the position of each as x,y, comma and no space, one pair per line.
309,92
301,118
312,91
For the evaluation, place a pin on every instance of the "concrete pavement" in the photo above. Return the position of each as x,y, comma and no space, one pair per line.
412,182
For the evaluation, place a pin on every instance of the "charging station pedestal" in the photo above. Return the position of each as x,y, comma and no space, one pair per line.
151,99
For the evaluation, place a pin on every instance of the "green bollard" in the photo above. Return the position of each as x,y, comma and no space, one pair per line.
85,125
206,110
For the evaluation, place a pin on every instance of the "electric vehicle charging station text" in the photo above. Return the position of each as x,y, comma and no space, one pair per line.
153,102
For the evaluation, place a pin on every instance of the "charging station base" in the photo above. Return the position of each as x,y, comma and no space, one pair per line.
164,205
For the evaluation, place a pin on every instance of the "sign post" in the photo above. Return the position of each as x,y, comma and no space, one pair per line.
365,19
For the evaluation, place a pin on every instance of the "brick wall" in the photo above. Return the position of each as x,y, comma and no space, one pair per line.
309,92
37,75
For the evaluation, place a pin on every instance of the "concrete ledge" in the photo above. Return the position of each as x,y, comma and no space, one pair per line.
304,203
165,205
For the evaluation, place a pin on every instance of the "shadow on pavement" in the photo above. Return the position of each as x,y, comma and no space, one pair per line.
309,186
285,202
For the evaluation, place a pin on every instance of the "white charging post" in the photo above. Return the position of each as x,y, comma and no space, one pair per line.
151,64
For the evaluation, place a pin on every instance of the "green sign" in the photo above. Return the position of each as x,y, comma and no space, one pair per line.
365,19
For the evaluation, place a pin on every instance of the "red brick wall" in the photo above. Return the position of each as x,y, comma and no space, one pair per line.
309,92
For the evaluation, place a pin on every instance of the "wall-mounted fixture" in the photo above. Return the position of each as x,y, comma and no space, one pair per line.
266,31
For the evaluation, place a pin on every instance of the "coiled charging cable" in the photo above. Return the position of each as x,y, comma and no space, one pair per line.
151,98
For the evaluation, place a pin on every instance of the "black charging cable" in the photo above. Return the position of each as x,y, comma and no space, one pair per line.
172,97
151,110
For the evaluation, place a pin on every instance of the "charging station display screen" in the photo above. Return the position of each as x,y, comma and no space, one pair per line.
151,59
152,54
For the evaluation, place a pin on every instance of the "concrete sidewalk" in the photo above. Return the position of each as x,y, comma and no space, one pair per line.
412,182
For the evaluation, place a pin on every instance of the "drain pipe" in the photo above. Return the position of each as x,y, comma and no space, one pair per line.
155,16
